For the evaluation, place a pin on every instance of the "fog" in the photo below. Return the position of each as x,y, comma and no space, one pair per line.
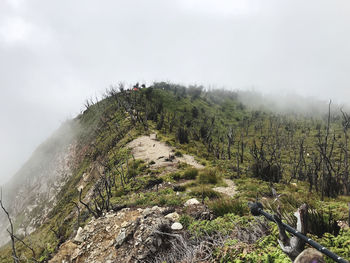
55,54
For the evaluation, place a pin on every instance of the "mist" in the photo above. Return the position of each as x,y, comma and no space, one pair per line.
54,55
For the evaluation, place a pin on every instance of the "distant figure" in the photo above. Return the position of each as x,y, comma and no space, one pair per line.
143,86
310,255
136,87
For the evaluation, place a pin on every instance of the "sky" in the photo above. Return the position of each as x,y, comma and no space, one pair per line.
56,54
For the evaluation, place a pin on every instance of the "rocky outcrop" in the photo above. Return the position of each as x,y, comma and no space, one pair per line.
130,235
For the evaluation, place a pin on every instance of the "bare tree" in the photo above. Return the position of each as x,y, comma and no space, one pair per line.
11,231
346,126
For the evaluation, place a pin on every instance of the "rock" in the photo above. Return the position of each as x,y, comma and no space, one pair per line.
78,237
176,226
147,212
173,216
120,238
310,255
125,224
192,201
156,208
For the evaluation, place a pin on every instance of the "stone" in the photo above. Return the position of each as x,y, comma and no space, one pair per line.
176,226
173,216
120,239
147,212
78,237
155,208
125,224
192,201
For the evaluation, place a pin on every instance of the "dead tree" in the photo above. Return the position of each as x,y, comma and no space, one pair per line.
78,210
96,214
346,126
325,148
293,246
349,215
230,141
11,231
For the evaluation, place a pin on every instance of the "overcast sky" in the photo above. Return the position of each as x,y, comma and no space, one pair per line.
55,54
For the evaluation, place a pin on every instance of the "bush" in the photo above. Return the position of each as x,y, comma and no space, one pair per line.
208,176
320,223
228,206
176,176
204,192
185,220
182,135
152,162
179,188
267,172
190,174
178,154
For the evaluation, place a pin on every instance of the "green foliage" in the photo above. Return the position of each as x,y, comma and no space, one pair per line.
208,176
176,176
190,174
320,223
179,188
186,220
205,192
178,154
221,207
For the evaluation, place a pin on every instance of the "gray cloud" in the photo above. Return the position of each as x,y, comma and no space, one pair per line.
54,55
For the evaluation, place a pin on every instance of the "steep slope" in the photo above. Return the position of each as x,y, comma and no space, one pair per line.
31,193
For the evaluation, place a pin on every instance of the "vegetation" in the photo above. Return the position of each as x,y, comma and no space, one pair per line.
282,159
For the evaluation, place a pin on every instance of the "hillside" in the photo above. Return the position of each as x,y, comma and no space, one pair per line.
112,184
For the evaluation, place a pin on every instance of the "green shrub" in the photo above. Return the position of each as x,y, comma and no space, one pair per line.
179,188
228,206
186,220
208,176
176,176
204,191
190,174
178,154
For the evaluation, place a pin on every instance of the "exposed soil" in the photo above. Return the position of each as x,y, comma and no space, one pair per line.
148,148
230,190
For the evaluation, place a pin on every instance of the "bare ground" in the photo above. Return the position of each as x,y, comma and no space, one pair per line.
148,148
230,190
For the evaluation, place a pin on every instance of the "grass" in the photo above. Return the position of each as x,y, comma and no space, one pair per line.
190,174
224,206
209,176
204,192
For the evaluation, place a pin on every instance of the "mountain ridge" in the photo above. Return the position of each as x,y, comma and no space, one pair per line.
231,142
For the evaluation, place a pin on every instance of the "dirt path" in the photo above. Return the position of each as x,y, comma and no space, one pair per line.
148,148
230,190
